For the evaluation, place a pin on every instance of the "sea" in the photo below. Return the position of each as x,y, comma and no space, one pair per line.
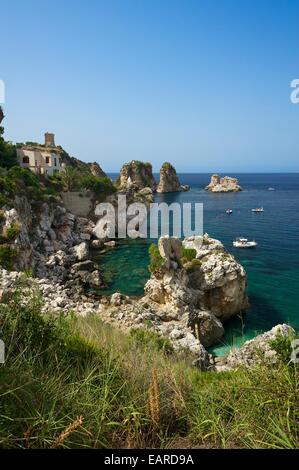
272,267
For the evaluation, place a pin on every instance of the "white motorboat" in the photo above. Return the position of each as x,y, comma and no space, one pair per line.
229,211
258,209
271,189
244,243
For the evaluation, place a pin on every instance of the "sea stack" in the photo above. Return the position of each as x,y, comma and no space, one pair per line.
227,184
169,181
136,175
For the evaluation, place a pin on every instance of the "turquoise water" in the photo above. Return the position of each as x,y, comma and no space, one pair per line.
272,268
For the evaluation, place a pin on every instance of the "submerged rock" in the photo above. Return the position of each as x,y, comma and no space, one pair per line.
169,181
226,184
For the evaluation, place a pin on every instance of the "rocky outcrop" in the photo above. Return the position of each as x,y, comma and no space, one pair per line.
186,301
125,312
136,176
55,297
49,241
226,184
255,351
217,274
83,167
213,281
169,181
96,170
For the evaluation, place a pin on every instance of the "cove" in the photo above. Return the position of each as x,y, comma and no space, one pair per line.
272,268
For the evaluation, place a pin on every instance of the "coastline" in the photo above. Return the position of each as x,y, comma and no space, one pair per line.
273,277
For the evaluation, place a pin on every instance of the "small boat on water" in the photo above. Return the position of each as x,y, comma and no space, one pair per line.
244,243
271,189
229,211
258,209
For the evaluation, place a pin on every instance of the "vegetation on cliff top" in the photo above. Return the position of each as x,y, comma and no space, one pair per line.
8,156
138,164
70,179
168,166
156,260
77,383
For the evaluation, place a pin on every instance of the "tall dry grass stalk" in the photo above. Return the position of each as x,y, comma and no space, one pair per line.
154,398
67,432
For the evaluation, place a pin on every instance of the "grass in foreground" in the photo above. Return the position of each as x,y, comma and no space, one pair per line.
70,383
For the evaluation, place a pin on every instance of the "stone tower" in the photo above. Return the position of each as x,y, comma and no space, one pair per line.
49,139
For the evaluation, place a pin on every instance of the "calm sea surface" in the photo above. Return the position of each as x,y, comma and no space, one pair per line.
272,268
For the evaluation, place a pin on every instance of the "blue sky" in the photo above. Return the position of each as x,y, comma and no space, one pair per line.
203,84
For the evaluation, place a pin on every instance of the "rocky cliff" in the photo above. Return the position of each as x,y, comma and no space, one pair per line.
226,184
136,176
83,167
49,241
169,181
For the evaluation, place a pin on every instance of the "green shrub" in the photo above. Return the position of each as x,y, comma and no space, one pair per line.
188,254
51,192
19,180
26,328
97,184
167,166
70,178
156,260
7,257
8,155
191,265
150,340
13,231
283,347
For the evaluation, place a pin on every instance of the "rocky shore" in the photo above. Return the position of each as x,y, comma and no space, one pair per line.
185,300
227,184
52,243
195,284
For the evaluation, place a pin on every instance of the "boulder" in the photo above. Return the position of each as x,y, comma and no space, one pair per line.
170,249
118,299
206,327
87,265
97,244
81,252
110,244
